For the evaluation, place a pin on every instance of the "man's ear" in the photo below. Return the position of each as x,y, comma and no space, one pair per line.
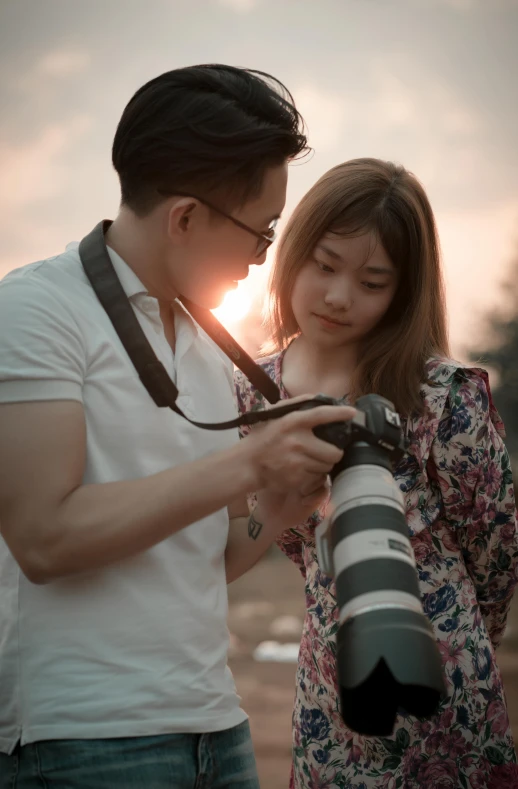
181,217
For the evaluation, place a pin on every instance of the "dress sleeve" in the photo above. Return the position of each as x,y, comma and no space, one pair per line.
248,399
473,470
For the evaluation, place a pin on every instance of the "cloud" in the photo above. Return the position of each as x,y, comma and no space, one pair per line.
240,6
46,74
441,136
404,113
32,171
460,5
63,63
397,98
35,178
470,5
324,113
478,250
406,97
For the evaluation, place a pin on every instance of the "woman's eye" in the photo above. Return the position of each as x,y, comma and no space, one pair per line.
373,285
324,266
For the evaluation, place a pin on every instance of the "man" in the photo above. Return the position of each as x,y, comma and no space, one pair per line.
121,521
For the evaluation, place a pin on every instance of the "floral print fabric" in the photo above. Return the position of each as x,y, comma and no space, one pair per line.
460,509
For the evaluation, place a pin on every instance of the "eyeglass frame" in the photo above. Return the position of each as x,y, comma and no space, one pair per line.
267,240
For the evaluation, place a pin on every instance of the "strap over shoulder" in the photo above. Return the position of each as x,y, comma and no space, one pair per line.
106,285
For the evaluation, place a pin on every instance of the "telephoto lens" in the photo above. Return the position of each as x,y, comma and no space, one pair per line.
387,656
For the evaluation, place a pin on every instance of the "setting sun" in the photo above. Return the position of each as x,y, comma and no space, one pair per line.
234,307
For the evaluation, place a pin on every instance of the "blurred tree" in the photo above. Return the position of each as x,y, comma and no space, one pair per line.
500,353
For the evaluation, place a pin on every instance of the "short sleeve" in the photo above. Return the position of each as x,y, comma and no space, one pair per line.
42,353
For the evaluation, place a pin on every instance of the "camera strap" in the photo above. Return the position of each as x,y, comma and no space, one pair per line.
106,284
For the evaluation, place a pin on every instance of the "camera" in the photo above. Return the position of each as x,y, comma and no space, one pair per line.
387,657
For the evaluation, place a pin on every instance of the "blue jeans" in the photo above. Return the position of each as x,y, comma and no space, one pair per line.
173,761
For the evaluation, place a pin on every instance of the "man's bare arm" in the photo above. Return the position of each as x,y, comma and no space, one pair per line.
55,526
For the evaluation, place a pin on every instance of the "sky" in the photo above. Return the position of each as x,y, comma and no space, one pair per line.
427,83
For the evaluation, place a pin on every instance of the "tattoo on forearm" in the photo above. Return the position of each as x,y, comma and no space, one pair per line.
254,527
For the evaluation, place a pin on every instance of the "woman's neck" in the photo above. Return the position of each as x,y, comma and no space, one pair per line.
308,369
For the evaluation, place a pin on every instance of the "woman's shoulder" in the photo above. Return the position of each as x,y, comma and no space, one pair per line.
441,371
457,400
451,385
464,386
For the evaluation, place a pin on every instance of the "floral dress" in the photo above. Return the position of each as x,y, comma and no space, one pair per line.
460,509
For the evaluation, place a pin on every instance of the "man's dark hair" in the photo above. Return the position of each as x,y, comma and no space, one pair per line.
211,129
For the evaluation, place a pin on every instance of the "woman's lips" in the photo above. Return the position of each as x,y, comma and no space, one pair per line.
330,323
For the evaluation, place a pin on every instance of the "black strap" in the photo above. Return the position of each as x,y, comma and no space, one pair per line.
255,374
103,278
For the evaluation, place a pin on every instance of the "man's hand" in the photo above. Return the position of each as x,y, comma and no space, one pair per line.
286,510
291,467
250,535
287,456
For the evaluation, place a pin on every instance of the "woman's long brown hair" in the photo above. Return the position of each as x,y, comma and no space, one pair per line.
360,196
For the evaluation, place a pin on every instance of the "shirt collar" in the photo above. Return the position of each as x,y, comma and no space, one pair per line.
132,287
131,284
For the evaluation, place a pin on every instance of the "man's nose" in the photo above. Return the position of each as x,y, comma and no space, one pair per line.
258,261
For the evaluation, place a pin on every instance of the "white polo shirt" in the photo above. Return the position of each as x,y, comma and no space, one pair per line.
140,647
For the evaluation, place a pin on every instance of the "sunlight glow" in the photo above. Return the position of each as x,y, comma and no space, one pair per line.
235,306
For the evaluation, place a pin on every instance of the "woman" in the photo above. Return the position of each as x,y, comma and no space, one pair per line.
357,307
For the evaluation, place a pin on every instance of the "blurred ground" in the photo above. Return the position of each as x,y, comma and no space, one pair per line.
269,601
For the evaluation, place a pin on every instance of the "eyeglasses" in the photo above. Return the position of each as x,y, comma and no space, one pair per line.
264,240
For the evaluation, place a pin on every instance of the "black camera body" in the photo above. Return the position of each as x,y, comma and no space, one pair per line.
387,656
376,425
